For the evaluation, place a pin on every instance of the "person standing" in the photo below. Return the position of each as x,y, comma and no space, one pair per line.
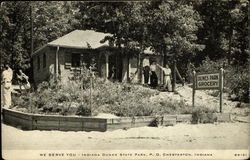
146,70
7,76
166,80
112,76
153,75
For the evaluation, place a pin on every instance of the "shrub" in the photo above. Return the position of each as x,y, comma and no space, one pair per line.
121,99
203,115
236,79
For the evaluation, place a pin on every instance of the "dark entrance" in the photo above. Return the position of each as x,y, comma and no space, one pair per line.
115,67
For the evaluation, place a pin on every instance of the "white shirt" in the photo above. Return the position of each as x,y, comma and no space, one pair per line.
166,71
145,62
7,75
153,67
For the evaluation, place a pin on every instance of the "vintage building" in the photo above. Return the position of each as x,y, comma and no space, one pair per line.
69,53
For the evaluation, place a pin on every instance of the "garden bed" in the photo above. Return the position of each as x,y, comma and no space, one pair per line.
29,121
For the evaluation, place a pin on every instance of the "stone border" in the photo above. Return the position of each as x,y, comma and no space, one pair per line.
129,122
28,121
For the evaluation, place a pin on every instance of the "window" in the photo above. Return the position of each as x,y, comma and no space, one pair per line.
44,60
38,62
67,60
76,59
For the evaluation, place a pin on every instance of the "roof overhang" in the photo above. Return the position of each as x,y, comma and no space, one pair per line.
69,47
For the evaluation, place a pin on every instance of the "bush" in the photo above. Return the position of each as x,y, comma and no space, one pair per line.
117,98
236,79
121,99
203,115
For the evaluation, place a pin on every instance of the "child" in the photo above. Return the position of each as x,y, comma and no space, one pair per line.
23,80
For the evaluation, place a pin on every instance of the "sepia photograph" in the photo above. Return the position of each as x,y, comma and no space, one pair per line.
114,79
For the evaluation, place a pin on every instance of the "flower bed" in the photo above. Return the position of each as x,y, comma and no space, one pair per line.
29,121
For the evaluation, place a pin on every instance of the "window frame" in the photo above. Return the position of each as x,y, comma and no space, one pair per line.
73,58
38,62
44,60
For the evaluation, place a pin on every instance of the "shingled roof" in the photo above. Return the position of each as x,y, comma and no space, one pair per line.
80,39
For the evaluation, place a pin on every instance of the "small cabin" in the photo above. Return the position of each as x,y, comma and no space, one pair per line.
67,54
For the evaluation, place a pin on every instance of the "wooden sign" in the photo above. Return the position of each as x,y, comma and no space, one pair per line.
208,81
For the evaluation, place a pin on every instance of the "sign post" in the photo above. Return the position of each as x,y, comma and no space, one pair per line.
91,81
193,87
221,89
202,81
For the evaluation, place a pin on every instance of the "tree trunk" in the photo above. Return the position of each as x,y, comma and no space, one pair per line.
119,63
174,75
164,56
230,45
128,68
31,30
139,68
32,42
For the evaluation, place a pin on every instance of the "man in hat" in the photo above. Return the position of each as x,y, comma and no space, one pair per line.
7,75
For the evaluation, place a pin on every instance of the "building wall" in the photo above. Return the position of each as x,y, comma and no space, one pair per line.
43,73
133,70
65,69
124,68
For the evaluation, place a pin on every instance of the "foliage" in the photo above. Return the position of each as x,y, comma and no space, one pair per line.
121,99
190,30
236,78
50,21
203,115
225,31
14,22
161,25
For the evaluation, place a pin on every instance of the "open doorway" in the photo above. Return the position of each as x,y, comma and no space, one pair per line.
115,67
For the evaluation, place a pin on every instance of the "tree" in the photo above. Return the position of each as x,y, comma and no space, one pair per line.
120,19
224,32
51,20
14,20
173,29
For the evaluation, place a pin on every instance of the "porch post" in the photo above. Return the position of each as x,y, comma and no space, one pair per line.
128,68
107,66
56,65
162,74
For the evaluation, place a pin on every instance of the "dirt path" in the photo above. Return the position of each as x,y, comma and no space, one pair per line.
203,98
180,136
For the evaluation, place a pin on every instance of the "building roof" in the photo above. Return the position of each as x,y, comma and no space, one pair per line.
83,39
80,39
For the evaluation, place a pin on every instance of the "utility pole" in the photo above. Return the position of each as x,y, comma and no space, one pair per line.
31,28
194,84
31,50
